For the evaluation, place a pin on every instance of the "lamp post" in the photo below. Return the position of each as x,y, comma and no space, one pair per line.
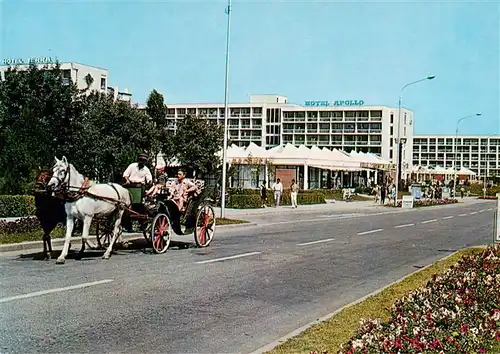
226,114
455,153
398,165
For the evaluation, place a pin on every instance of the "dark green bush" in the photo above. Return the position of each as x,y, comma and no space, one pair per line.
16,205
477,189
250,198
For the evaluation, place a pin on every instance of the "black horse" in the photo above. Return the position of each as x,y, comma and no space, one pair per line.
49,211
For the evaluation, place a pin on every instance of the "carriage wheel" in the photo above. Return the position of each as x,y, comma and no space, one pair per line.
205,226
161,230
104,234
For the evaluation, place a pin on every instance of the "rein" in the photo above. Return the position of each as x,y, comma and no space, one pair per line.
72,196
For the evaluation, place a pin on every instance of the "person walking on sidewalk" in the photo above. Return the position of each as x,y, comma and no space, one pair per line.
294,190
263,194
278,190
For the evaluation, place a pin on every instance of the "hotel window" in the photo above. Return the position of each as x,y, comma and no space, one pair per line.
392,118
376,114
391,131
257,112
103,83
350,115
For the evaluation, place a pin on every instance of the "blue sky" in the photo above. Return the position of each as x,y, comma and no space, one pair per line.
306,50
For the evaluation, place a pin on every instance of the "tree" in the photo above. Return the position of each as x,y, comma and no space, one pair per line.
111,135
157,111
36,110
198,143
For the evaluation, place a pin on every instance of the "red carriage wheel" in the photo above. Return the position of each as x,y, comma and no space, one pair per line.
161,230
205,226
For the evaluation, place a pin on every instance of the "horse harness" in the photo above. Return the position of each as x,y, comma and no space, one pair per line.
73,196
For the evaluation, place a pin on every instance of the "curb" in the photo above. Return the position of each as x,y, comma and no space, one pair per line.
31,245
299,330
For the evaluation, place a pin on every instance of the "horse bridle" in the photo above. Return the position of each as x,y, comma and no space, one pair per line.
62,186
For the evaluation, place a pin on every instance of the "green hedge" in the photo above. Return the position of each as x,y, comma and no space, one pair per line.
250,198
477,189
16,205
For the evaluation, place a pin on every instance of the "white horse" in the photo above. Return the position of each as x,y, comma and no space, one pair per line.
86,201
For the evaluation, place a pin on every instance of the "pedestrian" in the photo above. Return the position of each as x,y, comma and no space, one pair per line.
278,190
263,194
382,194
294,190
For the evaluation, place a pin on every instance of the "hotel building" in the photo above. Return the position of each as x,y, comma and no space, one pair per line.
73,73
480,154
270,120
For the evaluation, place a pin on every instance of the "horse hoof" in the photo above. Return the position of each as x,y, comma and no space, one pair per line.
106,256
60,261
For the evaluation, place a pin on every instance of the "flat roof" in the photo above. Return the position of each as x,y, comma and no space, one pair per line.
61,62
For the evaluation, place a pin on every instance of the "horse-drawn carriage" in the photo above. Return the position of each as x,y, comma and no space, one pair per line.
158,216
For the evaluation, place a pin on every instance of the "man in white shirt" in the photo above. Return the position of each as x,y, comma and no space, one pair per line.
137,172
278,190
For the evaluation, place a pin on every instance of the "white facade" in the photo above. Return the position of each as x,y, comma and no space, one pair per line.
480,154
72,73
120,95
269,120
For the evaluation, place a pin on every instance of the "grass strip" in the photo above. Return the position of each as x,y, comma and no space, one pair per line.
225,221
331,334
36,235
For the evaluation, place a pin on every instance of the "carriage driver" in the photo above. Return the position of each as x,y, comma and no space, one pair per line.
138,173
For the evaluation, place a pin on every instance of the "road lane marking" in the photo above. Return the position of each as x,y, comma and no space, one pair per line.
56,290
370,232
448,217
226,258
474,212
404,225
462,215
315,242
428,221
482,211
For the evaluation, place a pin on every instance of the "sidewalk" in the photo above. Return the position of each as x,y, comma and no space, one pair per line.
330,206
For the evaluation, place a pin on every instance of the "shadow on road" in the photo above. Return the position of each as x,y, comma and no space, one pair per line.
134,246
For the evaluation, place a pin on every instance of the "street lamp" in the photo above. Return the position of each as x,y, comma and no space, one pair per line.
398,142
455,152
226,113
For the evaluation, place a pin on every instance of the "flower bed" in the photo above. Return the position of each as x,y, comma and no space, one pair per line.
493,197
457,312
426,202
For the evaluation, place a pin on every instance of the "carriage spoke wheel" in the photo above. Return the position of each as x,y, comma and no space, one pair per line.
161,230
205,226
104,234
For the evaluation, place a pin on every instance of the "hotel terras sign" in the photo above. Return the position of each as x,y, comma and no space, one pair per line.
34,60
334,103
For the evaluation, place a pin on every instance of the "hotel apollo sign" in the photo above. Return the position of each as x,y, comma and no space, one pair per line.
334,103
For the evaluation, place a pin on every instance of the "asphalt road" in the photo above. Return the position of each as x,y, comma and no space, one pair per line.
279,278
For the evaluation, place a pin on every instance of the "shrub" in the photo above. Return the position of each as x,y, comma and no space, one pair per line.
456,312
250,198
16,205
477,189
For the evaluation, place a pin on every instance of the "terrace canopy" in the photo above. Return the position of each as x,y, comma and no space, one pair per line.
334,160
